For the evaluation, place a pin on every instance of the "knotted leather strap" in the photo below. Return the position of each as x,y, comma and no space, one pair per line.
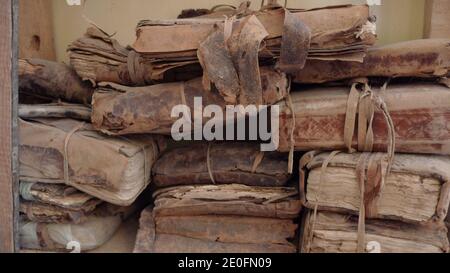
371,173
234,52
135,69
363,104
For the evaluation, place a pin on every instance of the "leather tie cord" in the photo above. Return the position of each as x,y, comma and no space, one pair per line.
319,192
135,68
208,163
258,159
363,104
291,135
370,171
361,176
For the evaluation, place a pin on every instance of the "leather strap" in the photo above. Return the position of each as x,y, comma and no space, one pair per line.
209,163
291,134
135,69
258,159
361,177
350,117
319,192
43,237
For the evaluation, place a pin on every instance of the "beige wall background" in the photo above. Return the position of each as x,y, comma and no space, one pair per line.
398,20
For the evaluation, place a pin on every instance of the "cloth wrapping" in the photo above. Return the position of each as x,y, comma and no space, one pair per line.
64,151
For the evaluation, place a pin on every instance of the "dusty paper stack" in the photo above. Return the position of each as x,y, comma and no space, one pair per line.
221,198
137,86
377,180
53,216
77,185
355,206
385,109
225,197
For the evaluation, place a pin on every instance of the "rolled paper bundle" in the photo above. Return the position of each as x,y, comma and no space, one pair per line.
121,110
214,234
417,190
332,118
429,58
222,163
232,200
53,80
330,232
65,151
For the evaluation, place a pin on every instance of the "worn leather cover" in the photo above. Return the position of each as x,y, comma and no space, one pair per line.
333,31
121,110
416,190
99,58
214,234
53,203
43,213
115,170
56,194
53,80
230,163
420,114
420,58
167,50
337,233
232,200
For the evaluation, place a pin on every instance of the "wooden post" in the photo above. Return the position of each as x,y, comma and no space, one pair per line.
8,125
437,19
36,30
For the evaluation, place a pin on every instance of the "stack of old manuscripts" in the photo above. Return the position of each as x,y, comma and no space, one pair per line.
77,185
374,123
227,197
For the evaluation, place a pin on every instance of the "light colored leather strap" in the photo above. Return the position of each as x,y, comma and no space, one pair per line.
319,193
258,159
350,117
209,163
